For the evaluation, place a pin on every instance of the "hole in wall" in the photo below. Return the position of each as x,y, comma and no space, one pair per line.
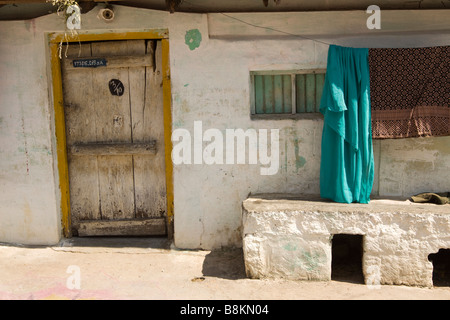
441,267
346,258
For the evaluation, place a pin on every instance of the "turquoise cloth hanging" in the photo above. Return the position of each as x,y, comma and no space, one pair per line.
347,165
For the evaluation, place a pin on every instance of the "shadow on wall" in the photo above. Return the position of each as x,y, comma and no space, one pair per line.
225,263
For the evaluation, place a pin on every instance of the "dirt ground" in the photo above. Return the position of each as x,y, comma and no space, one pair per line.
149,269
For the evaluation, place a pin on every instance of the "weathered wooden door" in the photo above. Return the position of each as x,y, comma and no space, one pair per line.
113,105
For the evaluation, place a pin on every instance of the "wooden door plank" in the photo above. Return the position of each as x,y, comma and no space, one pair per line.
84,192
80,127
140,227
76,50
118,48
113,119
137,76
149,171
111,111
116,187
96,149
109,62
139,116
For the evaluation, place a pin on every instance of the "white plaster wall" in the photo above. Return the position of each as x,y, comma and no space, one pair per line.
28,205
411,166
212,86
209,84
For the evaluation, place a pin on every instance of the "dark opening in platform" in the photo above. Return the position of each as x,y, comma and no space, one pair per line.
441,267
346,258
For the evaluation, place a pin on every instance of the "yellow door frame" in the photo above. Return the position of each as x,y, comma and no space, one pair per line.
54,40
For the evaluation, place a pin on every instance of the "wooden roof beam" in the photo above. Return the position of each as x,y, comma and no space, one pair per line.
45,1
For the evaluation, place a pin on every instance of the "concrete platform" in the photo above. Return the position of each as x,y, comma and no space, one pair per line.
290,237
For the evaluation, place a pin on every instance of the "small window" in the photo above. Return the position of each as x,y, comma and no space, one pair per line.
273,94
286,93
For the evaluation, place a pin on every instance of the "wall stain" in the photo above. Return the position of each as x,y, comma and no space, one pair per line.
31,24
308,261
299,161
312,261
25,145
290,247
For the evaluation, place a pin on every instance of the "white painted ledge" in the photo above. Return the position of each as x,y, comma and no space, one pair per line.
290,238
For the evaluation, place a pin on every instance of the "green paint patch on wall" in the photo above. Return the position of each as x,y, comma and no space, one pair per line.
193,38
309,261
299,161
290,247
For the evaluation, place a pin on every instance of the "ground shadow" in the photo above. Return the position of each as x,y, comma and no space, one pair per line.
225,263
118,242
